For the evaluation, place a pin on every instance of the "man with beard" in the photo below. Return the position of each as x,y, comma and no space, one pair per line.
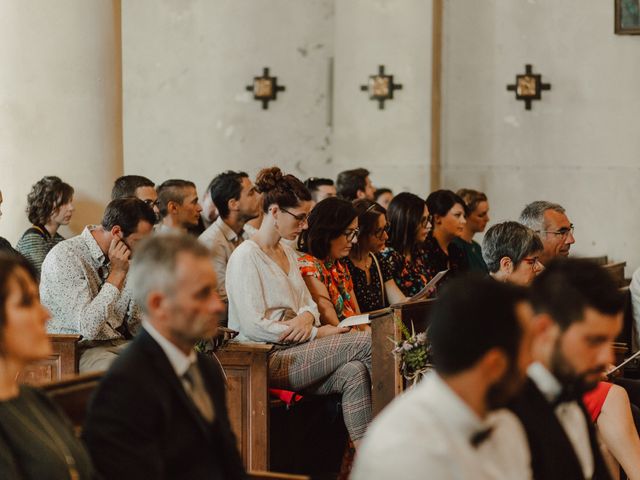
449,425
160,410
578,313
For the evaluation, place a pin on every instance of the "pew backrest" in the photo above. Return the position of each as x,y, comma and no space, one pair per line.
62,363
73,394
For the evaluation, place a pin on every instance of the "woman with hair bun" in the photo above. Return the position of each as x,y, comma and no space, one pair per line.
49,206
328,240
269,302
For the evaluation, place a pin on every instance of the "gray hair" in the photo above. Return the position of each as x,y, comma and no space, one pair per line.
509,239
154,264
533,214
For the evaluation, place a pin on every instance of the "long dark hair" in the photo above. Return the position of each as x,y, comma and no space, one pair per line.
404,215
327,221
368,214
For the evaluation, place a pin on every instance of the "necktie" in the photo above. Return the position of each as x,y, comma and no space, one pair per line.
479,437
198,393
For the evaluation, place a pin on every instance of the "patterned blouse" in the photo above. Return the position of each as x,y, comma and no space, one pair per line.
336,277
437,260
409,274
369,295
73,287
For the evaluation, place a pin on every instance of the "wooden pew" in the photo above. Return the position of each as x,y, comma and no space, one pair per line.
246,369
72,395
62,363
617,272
386,380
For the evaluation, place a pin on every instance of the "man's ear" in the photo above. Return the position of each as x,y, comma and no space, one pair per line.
233,204
361,194
172,207
116,232
156,302
494,364
506,265
542,324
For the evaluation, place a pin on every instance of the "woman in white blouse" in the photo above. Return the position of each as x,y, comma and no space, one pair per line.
269,302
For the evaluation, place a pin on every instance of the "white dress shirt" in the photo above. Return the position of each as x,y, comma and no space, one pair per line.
261,294
178,360
569,414
73,287
222,241
426,433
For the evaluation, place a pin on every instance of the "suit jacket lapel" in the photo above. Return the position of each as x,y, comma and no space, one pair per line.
167,373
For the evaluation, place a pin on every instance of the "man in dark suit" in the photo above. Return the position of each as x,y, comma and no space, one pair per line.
160,410
578,314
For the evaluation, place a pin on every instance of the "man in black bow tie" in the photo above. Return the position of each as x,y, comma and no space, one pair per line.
578,314
448,427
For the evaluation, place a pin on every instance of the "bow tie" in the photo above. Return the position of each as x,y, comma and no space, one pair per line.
479,437
567,395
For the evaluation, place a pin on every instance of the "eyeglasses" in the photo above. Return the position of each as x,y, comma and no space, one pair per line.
531,261
379,232
151,203
425,221
563,232
301,219
351,234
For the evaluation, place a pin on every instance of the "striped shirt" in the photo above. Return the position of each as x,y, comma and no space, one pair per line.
35,243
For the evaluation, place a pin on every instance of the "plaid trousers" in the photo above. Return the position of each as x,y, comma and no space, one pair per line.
335,364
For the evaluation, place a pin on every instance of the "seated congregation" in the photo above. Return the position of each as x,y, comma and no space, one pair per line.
520,336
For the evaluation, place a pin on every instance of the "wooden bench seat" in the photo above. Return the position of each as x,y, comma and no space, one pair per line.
386,380
62,363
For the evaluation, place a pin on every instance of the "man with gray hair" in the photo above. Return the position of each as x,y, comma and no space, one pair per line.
160,410
512,253
550,222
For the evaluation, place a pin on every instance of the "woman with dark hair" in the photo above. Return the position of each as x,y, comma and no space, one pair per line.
36,439
408,217
448,216
477,216
329,238
372,278
269,302
49,206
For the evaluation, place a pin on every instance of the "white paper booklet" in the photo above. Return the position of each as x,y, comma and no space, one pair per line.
355,320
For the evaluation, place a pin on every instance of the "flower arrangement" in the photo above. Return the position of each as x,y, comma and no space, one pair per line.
413,352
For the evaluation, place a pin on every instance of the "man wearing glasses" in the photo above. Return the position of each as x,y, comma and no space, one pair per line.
551,223
136,186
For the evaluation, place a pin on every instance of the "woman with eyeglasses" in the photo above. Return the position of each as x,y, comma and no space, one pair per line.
269,302
372,278
49,206
332,233
36,439
409,225
448,217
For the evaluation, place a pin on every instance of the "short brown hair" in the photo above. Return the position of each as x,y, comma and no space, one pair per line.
46,196
472,199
